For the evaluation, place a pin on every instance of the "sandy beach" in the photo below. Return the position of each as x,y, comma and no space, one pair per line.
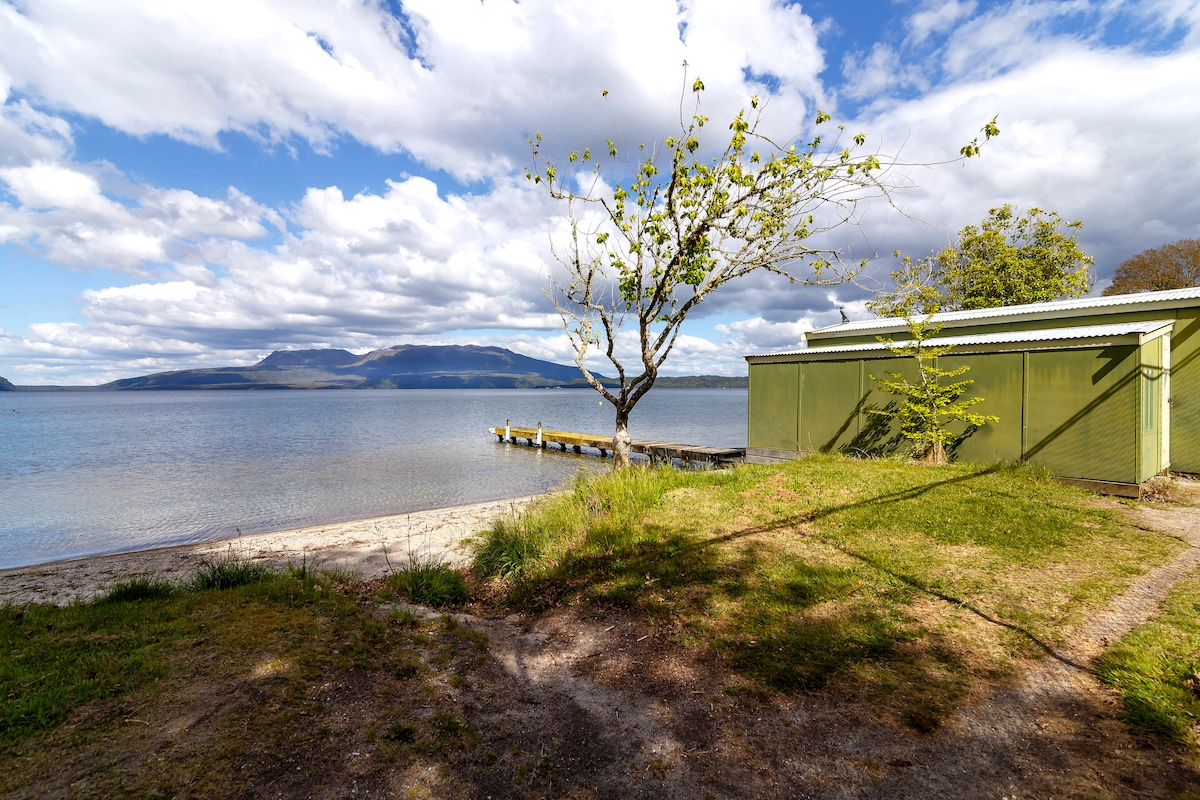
367,547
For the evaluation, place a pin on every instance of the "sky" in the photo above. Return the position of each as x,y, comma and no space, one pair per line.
197,184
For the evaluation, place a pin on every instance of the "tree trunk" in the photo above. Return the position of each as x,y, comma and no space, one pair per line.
621,440
935,453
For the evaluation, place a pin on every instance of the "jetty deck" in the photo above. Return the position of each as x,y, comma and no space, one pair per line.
654,450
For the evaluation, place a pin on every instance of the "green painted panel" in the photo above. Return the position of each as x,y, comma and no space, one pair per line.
997,378
1185,392
831,398
1082,412
774,405
1150,409
879,434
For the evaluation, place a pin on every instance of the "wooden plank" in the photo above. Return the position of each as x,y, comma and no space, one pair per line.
1133,490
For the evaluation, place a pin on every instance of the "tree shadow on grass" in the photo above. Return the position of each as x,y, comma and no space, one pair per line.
784,621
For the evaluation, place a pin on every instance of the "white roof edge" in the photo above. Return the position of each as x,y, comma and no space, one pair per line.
1111,304
1084,335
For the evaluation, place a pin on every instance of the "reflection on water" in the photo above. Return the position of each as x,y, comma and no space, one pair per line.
90,473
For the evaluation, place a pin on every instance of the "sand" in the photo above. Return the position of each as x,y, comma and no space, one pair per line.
369,548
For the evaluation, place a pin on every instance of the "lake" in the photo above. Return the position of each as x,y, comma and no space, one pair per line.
90,473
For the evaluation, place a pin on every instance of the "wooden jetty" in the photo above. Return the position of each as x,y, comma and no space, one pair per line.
654,450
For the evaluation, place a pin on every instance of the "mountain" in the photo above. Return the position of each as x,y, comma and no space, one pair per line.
5,386
404,366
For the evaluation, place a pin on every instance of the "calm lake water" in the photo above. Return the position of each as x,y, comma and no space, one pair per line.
92,473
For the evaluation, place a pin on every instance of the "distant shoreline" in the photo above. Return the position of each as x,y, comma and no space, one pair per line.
369,548
664,382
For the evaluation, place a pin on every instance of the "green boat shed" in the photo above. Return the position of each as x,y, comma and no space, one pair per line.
1103,391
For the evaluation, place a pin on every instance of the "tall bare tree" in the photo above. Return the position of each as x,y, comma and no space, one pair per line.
647,249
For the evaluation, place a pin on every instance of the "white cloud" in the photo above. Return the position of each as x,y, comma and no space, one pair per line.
42,185
1097,132
937,17
880,70
1104,136
63,212
460,95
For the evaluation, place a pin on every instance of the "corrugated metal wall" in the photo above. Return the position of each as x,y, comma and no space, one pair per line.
1184,425
1000,382
1185,392
774,407
1082,413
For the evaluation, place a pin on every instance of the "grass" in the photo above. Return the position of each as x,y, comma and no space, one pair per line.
429,581
230,573
904,582
900,588
1157,668
140,587
264,671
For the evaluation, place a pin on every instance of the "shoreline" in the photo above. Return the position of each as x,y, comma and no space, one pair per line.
370,548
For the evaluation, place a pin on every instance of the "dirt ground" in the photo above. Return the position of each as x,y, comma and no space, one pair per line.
587,703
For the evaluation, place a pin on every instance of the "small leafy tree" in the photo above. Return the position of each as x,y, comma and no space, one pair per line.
1170,266
678,224
927,405
1009,259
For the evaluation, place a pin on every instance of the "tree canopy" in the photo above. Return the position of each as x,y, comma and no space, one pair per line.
1169,266
682,218
1009,259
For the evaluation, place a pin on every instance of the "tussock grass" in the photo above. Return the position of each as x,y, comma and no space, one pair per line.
140,587
228,573
904,581
428,581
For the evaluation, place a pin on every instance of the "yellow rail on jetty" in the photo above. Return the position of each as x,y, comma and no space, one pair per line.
656,451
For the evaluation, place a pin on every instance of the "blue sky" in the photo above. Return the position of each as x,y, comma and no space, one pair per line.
199,183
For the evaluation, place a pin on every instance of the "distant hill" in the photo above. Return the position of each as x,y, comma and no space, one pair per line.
701,382
404,366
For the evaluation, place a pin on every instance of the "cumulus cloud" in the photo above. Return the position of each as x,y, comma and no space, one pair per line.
1099,131
1100,135
62,210
458,86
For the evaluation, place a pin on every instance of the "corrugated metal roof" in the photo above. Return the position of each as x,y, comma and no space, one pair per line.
1094,333
1100,304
